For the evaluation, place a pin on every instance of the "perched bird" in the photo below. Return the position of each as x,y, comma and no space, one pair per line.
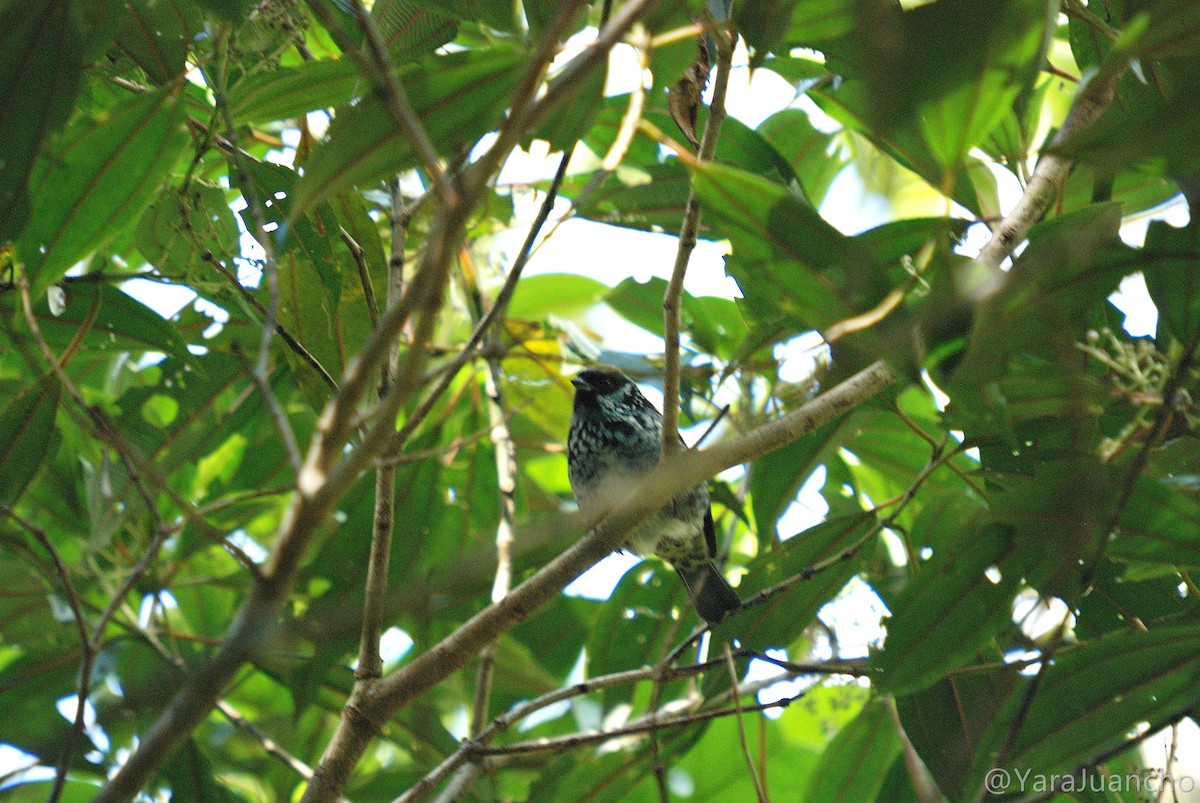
615,439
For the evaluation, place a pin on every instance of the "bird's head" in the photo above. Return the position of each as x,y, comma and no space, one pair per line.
607,390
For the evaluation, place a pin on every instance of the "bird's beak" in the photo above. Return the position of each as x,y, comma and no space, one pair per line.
580,383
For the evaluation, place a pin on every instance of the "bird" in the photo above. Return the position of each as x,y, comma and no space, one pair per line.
614,440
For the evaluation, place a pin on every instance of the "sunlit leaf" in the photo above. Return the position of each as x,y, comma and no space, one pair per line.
457,97
96,179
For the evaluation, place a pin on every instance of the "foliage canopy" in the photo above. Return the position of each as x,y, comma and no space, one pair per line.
196,513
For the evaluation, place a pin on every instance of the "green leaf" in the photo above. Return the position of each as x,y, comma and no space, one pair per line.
40,73
94,182
27,435
563,294
573,116
787,259
288,92
798,71
1072,264
820,559
231,10
457,98
811,153
29,687
1092,698
717,775
180,232
1159,524
949,609
632,625
156,35
739,144
849,104
1169,260
112,321
775,478
946,722
714,324
411,30
859,758
971,62
653,200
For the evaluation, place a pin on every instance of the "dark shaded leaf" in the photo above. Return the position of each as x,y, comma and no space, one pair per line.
156,35
40,73
855,764
950,609
1091,700
26,436
1159,524
93,184
1169,260
946,722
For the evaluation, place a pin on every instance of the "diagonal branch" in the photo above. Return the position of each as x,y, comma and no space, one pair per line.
1050,173
373,706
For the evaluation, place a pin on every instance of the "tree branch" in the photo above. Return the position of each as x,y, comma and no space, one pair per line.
687,244
370,663
658,723
374,706
660,673
1050,174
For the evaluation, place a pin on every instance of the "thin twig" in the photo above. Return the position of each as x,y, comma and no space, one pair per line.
364,271
295,345
370,662
490,317
662,670
506,478
86,648
253,202
659,723
741,726
662,673
274,410
673,296
1169,767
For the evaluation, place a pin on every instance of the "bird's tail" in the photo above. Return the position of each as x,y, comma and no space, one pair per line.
711,595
